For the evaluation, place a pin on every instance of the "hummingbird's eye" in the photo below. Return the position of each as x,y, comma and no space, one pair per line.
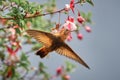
67,30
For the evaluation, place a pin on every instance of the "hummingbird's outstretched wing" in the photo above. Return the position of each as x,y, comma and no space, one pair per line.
44,37
68,52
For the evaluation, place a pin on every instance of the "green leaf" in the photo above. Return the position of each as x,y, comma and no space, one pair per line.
16,1
23,57
90,2
89,15
24,62
22,24
1,72
41,65
2,55
18,30
69,66
83,14
0,2
24,65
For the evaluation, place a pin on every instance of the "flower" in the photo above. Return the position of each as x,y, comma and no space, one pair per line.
12,54
12,30
80,36
87,28
69,24
11,51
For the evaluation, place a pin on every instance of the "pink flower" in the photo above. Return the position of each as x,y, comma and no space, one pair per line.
69,24
12,37
12,30
87,28
11,51
80,36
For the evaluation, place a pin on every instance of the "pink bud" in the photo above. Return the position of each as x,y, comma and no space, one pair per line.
59,70
72,5
80,19
69,38
80,36
71,19
66,77
87,28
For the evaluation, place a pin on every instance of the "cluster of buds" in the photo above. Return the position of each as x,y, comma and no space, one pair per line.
70,25
70,22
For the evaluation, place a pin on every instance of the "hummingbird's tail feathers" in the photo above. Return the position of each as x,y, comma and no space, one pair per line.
42,52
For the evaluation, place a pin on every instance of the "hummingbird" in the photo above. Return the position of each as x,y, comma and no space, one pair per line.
55,42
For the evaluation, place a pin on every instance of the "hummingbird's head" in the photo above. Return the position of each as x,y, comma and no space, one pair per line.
64,33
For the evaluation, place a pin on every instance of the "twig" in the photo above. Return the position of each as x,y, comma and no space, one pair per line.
58,11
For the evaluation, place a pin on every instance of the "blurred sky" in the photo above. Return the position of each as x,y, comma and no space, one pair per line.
99,49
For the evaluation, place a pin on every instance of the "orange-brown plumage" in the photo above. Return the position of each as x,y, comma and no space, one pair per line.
55,42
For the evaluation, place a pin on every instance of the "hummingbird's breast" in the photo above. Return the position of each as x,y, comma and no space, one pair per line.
56,43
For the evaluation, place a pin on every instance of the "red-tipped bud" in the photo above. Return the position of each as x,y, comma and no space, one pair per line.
80,36
80,19
59,70
69,38
71,19
72,5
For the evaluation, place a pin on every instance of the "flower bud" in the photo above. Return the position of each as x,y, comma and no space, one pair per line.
80,36
80,19
59,70
67,7
87,28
